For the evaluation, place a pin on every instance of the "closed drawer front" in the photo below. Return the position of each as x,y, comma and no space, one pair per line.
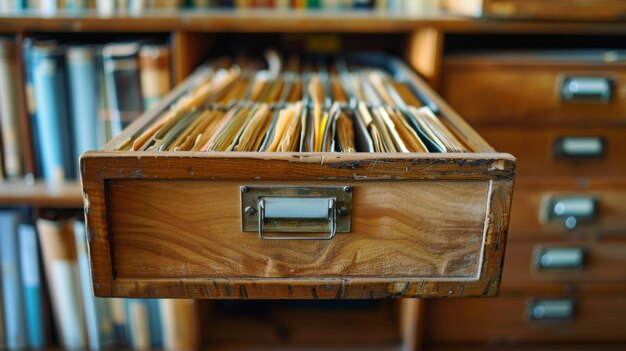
530,319
597,9
564,207
298,224
563,92
561,9
552,266
554,152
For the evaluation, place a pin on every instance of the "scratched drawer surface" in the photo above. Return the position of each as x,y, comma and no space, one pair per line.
295,224
568,88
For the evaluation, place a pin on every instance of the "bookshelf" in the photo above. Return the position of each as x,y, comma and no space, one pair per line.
420,39
188,29
302,21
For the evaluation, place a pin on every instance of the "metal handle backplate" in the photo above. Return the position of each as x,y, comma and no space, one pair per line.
550,309
586,89
572,209
559,258
296,213
579,147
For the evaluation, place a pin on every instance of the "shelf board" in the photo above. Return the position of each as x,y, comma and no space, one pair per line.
66,195
267,20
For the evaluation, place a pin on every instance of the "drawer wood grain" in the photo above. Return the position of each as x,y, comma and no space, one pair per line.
529,90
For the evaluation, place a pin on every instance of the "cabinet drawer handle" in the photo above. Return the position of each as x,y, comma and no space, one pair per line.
586,89
559,258
296,212
572,210
297,209
550,309
579,147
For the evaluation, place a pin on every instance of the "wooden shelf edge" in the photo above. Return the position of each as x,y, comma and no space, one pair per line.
290,21
41,194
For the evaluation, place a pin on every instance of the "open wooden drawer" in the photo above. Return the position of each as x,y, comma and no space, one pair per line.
185,224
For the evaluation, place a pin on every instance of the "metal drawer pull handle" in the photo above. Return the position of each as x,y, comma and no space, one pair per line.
560,258
300,209
573,210
586,89
551,309
578,147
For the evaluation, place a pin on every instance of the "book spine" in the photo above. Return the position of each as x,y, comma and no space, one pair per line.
12,296
33,298
138,6
201,3
282,4
154,61
9,6
48,7
137,315
85,102
76,5
243,4
29,96
33,4
154,323
10,109
120,326
3,336
123,85
59,252
314,4
53,122
167,4
97,310
179,324
105,7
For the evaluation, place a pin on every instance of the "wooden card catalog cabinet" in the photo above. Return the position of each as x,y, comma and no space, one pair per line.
299,224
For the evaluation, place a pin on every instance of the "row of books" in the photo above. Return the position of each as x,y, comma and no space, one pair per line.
82,321
138,6
77,97
315,106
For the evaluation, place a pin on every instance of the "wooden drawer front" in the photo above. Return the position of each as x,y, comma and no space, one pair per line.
598,9
543,209
510,320
490,91
574,152
412,237
547,266
554,9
